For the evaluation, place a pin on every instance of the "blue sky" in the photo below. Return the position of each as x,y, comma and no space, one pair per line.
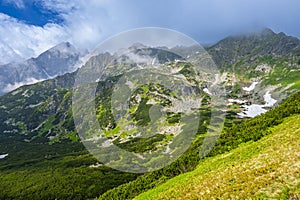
29,27
30,12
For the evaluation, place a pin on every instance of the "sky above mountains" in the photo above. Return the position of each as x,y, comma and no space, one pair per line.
29,27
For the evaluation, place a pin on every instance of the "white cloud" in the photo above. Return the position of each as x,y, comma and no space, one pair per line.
11,87
86,24
89,22
19,40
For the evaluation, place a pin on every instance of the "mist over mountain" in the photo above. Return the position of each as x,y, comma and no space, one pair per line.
250,46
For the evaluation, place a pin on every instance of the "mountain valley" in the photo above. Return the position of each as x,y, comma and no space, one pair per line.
41,151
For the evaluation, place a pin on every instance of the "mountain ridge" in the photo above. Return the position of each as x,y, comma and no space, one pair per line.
58,60
261,43
44,91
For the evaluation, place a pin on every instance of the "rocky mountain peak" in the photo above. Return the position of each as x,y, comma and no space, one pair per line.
266,32
56,61
64,47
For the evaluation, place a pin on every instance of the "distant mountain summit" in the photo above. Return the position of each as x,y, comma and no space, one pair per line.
58,60
249,46
53,62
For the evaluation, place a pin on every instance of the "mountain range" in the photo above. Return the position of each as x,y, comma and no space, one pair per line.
56,61
257,71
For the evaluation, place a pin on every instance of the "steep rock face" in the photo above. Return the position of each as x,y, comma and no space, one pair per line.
229,50
56,61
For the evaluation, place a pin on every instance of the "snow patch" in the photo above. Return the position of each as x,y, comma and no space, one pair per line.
256,109
207,91
96,165
269,100
3,156
251,87
252,111
237,101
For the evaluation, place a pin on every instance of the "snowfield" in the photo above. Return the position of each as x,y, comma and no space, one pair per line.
255,109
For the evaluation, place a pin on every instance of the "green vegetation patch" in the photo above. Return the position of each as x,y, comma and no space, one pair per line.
266,169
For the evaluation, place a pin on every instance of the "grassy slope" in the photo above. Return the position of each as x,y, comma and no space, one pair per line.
268,168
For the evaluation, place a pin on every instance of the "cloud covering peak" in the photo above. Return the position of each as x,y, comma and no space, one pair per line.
86,23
